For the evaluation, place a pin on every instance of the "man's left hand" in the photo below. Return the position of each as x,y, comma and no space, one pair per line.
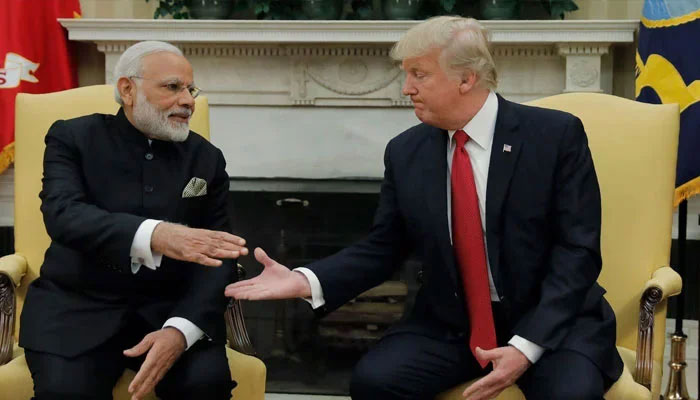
508,365
164,347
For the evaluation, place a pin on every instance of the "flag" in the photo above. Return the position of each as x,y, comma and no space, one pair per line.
34,53
668,71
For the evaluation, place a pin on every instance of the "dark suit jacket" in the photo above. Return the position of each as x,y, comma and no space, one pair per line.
99,185
542,230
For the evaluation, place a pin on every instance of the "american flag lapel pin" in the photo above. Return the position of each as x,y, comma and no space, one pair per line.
507,148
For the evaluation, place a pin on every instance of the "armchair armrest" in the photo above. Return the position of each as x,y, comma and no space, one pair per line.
664,283
667,280
12,269
235,324
14,266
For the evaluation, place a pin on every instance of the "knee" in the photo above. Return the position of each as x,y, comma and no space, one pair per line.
371,381
368,383
211,384
581,390
212,387
51,388
55,385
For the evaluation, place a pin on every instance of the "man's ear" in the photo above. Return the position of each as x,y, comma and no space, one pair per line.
127,90
467,83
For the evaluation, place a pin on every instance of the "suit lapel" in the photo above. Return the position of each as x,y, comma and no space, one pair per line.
505,149
436,195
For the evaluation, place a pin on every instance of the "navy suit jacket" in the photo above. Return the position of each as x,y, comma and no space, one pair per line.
543,219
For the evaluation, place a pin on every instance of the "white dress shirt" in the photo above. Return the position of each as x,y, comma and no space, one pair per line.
480,129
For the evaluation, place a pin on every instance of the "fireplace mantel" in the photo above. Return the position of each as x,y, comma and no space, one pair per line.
379,32
311,100
345,63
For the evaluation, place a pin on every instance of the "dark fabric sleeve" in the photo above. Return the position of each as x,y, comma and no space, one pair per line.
371,261
204,302
69,217
575,261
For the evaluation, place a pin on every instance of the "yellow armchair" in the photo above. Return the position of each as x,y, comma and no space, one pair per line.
34,115
634,149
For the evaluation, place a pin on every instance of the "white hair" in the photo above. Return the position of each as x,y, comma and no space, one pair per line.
130,63
464,43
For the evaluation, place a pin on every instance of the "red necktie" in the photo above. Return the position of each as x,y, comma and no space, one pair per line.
468,242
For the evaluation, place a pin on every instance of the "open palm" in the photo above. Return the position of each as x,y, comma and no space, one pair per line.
275,282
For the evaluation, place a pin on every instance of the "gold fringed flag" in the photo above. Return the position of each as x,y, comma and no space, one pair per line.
34,53
668,71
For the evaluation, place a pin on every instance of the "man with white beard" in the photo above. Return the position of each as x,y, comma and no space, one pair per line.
119,286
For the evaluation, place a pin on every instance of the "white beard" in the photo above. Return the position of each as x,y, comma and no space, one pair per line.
155,123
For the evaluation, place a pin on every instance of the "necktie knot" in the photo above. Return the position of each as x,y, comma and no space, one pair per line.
461,138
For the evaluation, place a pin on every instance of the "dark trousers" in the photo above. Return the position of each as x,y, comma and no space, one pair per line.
409,366
201,372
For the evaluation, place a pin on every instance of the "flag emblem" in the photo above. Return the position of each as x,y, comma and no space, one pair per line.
667,72
507,148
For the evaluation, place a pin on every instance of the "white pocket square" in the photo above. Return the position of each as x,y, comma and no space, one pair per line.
195,187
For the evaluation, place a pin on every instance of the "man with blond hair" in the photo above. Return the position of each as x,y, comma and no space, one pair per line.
500,202
119,286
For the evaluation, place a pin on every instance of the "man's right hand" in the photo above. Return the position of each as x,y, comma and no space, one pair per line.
200,246
275,282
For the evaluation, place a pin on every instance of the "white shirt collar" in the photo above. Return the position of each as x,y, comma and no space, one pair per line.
482,126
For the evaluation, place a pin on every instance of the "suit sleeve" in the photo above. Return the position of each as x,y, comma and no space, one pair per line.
204,302
371,261
69,217
575,262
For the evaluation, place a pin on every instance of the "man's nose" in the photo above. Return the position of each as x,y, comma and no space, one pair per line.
408,88
186,99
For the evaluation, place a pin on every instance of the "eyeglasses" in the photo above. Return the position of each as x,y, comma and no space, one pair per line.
174,87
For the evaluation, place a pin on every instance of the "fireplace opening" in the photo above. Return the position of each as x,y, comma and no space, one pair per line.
304,354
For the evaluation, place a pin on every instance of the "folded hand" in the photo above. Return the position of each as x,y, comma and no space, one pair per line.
164,347
508,365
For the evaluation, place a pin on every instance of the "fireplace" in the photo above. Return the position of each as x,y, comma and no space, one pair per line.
304,354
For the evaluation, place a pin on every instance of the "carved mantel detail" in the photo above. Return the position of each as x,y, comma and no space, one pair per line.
352,76
583,65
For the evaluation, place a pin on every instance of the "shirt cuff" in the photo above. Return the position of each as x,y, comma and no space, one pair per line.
141,253
316,299
189,330
532,351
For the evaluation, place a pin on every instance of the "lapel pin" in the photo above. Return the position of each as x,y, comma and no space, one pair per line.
507,148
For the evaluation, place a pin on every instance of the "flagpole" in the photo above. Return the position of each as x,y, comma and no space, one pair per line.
680,299
677,388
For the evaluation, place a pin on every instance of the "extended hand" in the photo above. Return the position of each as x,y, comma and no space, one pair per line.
196,245
275,282
508,365
164,347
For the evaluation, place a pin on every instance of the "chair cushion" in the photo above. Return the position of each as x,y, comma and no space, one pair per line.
624,389
16,381
511,393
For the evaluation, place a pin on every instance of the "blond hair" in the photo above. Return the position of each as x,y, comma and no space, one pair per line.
464,43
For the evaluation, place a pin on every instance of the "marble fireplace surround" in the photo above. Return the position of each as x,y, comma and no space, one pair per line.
317,101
